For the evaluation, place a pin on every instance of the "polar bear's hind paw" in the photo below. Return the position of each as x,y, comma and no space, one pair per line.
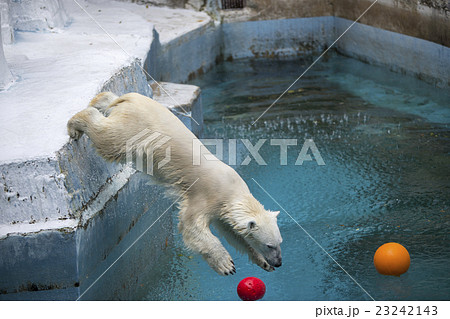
73,132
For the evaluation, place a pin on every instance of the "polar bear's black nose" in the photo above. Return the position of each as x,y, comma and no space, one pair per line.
277,263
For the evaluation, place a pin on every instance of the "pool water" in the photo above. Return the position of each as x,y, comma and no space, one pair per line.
384,138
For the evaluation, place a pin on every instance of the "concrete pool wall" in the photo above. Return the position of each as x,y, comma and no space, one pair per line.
67,216
290,37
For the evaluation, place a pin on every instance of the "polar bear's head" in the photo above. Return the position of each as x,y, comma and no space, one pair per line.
258,227
264,236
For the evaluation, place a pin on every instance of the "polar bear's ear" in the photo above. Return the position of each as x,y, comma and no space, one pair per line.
251,224
276,213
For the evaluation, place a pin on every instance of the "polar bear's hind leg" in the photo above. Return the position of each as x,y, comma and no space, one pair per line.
87,121
104,102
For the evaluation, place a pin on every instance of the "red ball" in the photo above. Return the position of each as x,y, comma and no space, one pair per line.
251,289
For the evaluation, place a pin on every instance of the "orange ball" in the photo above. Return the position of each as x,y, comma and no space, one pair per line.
391,259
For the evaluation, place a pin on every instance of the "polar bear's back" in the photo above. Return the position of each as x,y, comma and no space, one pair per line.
138,123
133,118
139,112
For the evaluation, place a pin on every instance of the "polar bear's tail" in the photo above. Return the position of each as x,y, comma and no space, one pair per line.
102,102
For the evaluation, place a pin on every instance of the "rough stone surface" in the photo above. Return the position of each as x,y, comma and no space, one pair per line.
276,38
129,79
5,26
408,17
33,192
37,15
40,261
139,209
6,78
442,5
160,3
286,9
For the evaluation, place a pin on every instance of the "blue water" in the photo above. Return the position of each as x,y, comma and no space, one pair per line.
384,138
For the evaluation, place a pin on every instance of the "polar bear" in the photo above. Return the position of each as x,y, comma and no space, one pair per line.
210,192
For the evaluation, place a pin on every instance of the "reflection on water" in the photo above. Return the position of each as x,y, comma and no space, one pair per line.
385,140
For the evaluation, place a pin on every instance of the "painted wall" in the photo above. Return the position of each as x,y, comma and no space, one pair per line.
424,19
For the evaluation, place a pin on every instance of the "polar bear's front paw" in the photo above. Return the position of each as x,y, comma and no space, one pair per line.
223,264
261,262
267,267
259,259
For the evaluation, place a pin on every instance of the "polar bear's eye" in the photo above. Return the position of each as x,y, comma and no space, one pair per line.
251,224
271,246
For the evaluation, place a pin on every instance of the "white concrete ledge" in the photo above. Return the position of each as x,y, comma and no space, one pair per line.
184,100
58,73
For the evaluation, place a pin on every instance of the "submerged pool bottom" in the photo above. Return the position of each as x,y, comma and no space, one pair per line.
384,139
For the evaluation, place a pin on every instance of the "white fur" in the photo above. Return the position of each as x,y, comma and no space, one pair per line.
212,192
